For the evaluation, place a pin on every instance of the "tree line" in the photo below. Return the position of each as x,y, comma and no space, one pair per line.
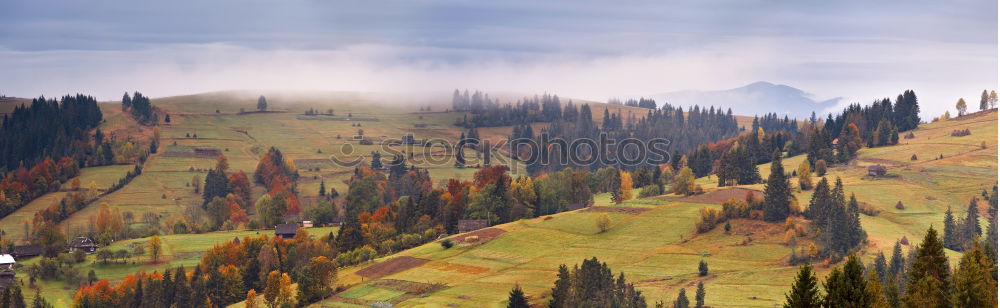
255,269
140,108
48,128
922,278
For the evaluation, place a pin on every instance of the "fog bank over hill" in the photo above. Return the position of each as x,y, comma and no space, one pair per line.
755,98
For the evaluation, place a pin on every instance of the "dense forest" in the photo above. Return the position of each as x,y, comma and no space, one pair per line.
47,128
699,126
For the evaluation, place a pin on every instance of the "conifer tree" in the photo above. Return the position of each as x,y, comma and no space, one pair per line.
682,300
846,287
804,293
950,232
819,205
929,283
516,298
970,226
974,286
876,291
776,192
699,296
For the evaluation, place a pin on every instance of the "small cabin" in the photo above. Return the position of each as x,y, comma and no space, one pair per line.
27,251
285,231
83,243
467,225
876,170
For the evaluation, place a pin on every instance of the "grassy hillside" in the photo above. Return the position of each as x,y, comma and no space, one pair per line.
658,250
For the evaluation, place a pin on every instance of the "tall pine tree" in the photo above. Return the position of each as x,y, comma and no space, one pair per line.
804,293
777,192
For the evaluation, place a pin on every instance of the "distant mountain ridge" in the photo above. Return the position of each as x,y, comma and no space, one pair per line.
756,98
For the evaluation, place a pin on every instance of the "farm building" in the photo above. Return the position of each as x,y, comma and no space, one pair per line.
83,243
27,251
6,262
466,225
286,231
876,170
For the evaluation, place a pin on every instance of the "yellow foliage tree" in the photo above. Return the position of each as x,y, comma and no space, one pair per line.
155,248
805,175
684,182
604,222
626,186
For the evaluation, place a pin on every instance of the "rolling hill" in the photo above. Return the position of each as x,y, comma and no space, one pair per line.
653,240
755,98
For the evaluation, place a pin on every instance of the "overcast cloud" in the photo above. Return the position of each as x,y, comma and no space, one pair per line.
860,50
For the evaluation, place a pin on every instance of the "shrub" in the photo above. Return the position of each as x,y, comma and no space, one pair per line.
649,191
961,132
914,157
79,256
735,208
899,205
904,241
820,167
868,209
728,227
909,136
447,244
702,268
709,218
604,222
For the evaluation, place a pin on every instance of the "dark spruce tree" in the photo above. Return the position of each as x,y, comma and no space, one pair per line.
699,296
777,192
516,298
682,300
950,240
805,292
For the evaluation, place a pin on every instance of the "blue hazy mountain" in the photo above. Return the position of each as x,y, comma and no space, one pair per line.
753,99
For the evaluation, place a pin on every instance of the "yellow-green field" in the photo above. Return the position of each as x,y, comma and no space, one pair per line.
659,251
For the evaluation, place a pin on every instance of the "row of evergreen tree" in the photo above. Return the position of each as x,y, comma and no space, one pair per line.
838,219
47,128
140,108
642,102
488,112
924,278
684,132
962,234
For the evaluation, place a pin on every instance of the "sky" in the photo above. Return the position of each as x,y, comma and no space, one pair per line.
859,50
